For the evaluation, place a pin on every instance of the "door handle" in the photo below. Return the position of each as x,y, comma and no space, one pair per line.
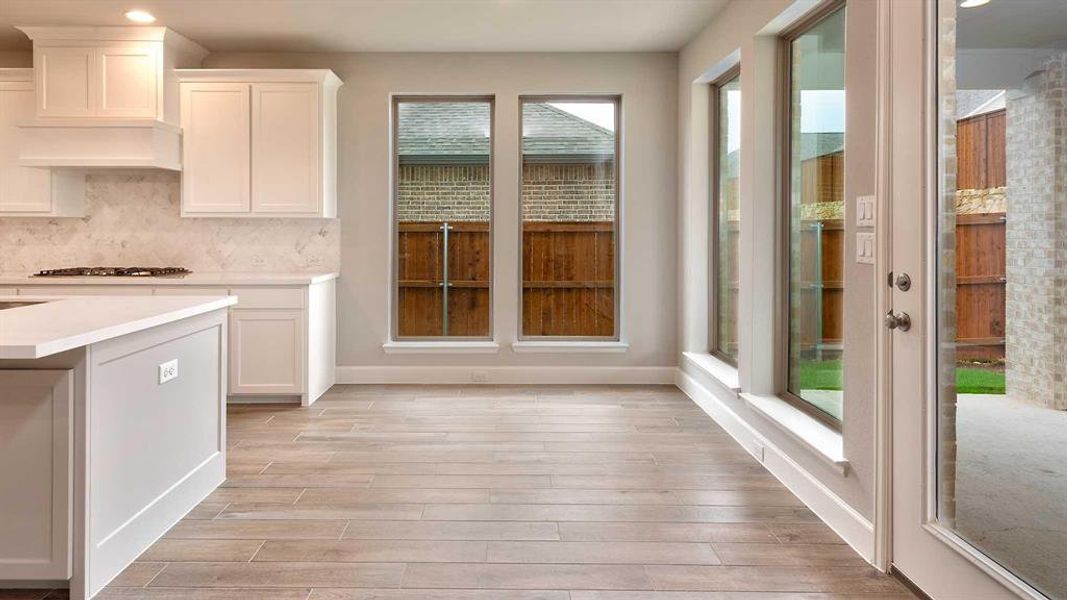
901,321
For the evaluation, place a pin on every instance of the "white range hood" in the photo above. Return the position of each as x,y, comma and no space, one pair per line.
106,97
100,143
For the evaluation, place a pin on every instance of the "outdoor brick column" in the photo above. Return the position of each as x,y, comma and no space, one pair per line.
1036,238
946,280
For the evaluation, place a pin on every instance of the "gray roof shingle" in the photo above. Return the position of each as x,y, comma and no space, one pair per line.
459,131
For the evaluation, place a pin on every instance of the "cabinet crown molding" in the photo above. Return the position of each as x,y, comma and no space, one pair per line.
324,77
45,33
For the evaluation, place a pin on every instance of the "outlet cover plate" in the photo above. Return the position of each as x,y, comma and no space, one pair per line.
168,371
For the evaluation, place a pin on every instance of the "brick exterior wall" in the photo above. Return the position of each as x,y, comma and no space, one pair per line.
550,192
443,193
1036,238
568,192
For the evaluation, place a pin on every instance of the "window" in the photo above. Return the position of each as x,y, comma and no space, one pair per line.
813,183
570,218
443,213
725,214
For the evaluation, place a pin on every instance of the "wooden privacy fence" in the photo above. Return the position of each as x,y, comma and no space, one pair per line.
980,286
568,284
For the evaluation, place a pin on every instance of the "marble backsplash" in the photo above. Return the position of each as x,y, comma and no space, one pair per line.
133,218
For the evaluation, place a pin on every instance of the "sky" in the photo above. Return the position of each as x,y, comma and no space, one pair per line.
601,113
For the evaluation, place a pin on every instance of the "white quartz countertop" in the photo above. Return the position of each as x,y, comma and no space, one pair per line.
63,323
195,278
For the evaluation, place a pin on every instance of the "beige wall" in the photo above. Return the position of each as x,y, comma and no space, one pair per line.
646,82
748,30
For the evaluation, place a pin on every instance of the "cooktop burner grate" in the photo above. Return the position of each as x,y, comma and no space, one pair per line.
113,272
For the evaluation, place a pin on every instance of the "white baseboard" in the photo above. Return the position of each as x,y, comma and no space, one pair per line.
853,527
119,548
508,375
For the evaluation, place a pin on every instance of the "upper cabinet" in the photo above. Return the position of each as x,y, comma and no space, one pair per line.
109,72
259,142
30,191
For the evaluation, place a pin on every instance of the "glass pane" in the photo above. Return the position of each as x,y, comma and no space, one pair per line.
442,214
1002,284
728,218
816,214
569,196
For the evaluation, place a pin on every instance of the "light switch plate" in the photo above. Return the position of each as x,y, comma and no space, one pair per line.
865,211
168,371
865,248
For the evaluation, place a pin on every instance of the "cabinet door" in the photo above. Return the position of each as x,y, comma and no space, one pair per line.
64,80
215,148
127,81
266,351
36,433
286,143
22,189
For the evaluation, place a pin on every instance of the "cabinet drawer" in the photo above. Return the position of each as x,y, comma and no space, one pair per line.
272,297
190,290
86,290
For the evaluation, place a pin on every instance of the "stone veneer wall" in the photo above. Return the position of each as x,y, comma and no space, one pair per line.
550,192
1036,238
132,218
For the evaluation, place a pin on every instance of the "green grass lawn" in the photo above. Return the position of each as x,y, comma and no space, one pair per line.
826,375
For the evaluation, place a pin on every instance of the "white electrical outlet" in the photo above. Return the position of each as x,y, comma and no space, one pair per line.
756,449
480,376
168,371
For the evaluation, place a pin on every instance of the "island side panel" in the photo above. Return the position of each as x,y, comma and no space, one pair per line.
155,449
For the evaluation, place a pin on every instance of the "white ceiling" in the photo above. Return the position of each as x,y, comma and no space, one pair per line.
390,25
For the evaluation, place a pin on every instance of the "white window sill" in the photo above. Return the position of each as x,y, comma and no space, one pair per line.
442,347
824,441
558,347
719,370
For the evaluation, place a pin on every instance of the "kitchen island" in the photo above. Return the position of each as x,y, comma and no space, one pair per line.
112,427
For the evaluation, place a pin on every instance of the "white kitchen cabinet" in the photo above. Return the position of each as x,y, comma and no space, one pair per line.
215,151
286,148
109,72
36,487
283,152
111,80
30,191
266,347
127,78
66,80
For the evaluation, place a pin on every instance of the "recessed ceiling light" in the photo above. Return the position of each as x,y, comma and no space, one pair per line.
143,16
973,3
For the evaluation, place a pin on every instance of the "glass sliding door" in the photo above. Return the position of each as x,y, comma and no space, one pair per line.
1002,285
443,214
814,184
570,194
725,214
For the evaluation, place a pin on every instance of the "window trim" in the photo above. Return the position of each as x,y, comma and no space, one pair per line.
715,200
394,217
785,148
617,225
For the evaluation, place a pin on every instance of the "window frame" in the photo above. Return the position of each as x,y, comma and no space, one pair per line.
714,203
617,100
785,149
394,218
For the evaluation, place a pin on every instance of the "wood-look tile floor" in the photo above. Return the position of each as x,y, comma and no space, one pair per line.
485,493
